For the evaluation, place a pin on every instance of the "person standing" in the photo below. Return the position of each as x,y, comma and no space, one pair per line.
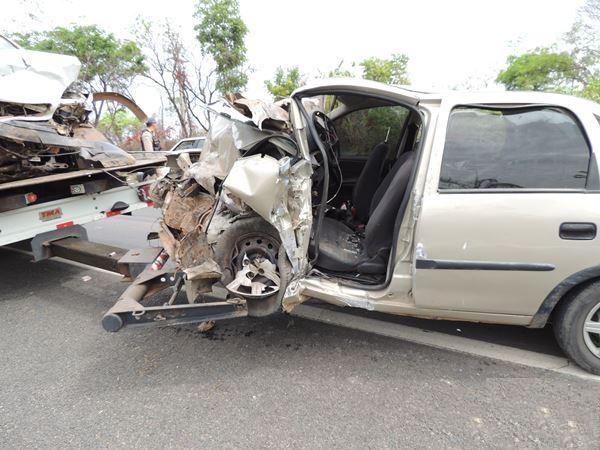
148,138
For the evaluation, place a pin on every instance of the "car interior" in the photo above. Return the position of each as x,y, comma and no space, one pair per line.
370,145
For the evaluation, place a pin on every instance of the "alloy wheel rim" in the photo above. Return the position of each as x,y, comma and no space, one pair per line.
591,331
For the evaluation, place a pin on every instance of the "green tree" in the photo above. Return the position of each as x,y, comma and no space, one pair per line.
575,69
221,33
119,126
106,62
540,70
592,90
285,81
340,71
390,71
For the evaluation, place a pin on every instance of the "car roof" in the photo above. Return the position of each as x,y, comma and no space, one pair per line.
519,98
359,86
414,96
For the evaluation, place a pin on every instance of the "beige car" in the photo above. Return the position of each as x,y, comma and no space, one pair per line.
462,206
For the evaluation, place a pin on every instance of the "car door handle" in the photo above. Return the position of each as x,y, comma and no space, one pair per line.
577,231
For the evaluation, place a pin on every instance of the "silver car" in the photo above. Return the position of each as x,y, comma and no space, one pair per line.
460,206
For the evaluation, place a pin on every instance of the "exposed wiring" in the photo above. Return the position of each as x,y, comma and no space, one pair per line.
128,172
341,177
49,155
114,176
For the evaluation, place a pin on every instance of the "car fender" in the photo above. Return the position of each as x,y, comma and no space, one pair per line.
560,290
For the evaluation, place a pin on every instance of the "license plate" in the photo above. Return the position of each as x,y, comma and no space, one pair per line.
50,214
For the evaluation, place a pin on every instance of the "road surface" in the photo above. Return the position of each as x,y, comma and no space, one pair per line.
275,383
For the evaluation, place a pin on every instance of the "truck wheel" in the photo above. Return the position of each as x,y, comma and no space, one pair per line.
254,241
577,328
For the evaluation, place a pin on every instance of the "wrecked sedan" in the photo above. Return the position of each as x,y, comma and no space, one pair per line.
473,207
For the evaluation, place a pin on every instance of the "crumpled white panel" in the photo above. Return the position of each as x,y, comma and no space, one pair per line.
217,156
28,76
279,193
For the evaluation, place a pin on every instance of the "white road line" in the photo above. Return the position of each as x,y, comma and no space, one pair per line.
444,341
65,261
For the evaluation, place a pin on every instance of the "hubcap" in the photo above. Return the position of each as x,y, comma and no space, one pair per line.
591,330
254,266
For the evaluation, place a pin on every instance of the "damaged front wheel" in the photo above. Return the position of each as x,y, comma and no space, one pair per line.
254,264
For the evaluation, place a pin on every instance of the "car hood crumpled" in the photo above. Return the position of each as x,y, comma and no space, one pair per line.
30,77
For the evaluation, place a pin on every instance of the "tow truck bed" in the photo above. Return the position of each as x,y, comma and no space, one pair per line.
75,174
55,202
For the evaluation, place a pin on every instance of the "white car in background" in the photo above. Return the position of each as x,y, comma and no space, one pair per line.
192,143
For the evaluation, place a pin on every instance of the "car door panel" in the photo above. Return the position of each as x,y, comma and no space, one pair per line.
503,250
492,228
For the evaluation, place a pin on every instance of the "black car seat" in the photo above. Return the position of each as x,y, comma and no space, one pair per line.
343,250
369,188
367,182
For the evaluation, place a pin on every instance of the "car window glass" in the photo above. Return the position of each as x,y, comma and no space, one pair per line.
533,148
359,131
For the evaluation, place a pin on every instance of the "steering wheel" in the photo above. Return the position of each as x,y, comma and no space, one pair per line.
328,136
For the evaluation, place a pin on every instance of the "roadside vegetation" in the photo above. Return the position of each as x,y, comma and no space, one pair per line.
571,66
191,76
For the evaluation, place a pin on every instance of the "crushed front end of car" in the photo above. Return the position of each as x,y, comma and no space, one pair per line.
235,225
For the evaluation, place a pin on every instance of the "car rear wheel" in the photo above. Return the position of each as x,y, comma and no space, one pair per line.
254,264
577,327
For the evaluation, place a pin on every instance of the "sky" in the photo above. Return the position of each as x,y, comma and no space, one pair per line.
450,44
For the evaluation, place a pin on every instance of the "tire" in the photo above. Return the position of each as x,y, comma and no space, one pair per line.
583,305
224,252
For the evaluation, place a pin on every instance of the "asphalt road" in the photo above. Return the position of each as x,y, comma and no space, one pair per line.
280,382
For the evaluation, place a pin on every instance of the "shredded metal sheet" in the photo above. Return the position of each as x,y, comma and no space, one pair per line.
274,188
38,78
193,249
263,183
264,115
217,156
186,213
208,269
277,189
300,209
